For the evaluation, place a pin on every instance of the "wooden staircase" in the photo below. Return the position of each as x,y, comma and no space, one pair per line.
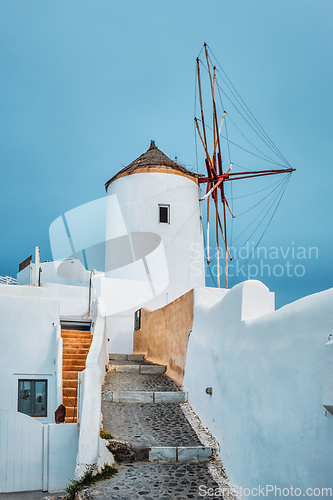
76,346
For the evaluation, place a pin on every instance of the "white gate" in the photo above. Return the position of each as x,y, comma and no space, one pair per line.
23,453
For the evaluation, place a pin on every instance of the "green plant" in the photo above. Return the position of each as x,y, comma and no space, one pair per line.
105,434
88,479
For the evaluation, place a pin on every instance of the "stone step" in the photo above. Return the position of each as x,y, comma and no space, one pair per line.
144,397
127,453
143,382
179,454
149,425
143,368
126,357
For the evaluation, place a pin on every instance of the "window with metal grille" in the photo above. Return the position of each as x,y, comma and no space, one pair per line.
32,397
164,214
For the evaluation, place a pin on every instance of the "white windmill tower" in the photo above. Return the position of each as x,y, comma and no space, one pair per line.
154,237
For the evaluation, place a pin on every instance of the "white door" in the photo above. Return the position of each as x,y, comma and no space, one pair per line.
21,452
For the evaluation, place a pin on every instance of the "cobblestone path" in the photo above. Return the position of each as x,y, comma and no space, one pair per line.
178,460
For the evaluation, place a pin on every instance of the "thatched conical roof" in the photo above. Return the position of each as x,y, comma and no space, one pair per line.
153,160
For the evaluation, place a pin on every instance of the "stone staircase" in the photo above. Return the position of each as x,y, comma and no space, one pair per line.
76,344
145,398
161,455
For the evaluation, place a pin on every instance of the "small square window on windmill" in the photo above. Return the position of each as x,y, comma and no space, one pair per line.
164,214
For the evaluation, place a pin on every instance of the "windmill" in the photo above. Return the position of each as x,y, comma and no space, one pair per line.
216,177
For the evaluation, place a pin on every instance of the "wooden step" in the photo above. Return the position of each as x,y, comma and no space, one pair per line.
70,375
70,402
73,368
74,355
70,411
76,341
75,350
70,420
74,335
74,362
69,392
76,347
70,383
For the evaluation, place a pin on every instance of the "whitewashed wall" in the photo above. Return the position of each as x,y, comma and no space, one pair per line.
27,339
63,444
267,377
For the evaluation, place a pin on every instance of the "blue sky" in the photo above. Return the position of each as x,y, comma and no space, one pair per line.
85,85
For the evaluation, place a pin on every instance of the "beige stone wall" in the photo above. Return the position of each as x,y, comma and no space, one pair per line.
164,334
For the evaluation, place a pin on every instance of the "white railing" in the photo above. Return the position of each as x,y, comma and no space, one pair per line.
8,280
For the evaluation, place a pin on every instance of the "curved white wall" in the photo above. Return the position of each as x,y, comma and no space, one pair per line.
267,376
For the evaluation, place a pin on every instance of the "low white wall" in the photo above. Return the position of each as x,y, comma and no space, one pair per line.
63,444
67,272
267,377
89,403
73,300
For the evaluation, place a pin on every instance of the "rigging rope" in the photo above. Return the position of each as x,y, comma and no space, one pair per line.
263,199
271,204
270,220
258,130
248,109
246,150
256,192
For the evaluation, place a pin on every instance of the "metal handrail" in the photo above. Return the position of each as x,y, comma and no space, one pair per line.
89,308
8,280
